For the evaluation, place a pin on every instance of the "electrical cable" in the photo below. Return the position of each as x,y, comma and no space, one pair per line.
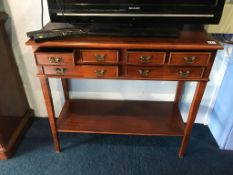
42,14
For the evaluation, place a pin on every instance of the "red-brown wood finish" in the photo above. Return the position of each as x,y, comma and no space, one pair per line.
200,89
194,41
179,90
65,86
49,105
166,72
110,117
186,58
146,58
55,58
15,112
83,71
13,128
99,56
189,58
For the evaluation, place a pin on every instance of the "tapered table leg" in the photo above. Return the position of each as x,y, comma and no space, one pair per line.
49,105
179,90
200,89
65,86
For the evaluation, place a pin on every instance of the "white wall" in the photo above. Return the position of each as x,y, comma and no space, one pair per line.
1,6
226,23
25,15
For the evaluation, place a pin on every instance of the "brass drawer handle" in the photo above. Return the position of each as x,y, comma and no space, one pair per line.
145,59
144,72
60,71
100,73
55,59
190,59
100,57
184,74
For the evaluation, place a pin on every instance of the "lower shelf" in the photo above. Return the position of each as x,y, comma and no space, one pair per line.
121,117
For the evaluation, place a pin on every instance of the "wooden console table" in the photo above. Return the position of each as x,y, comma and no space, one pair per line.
187,58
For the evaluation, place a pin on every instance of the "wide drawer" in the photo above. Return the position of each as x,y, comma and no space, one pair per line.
83,71
165,72
99,56
55,56
189,58
149,58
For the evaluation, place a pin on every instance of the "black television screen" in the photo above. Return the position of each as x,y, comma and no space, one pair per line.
136,11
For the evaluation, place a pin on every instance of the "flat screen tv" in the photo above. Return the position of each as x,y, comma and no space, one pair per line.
140,12
136,17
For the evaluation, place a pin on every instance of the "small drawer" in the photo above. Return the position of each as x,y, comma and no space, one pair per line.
83,71
189,58
63,70
100,71
55,56
184,72
150,58
99,56
165,72
144,72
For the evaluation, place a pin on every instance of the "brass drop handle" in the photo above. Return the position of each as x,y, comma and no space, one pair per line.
144,72
55,59
145,59
100,73
190,59
60,71
100,57
184,74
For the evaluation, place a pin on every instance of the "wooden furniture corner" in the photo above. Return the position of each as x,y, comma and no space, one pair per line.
15,112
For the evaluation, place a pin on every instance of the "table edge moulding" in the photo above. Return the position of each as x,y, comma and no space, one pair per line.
188,57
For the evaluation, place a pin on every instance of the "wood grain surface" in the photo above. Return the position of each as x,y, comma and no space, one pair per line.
188,57
121,117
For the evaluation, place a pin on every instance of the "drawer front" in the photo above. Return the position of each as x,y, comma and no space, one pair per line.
56,58
189,58
184,72
83,71
100,71
148,58
165,72
99,56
